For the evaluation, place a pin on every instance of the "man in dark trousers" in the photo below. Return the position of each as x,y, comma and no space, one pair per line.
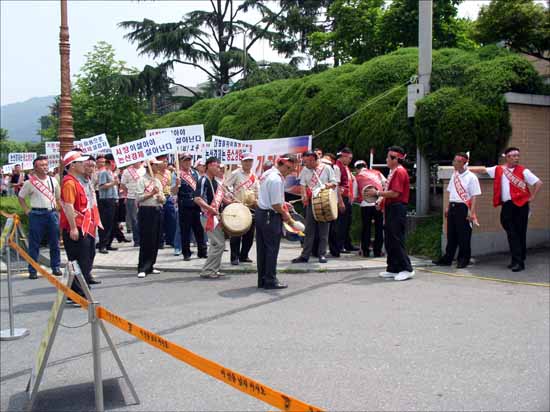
79,218
463,190
396,198
511,191
107,202
343,224
150,197
272,211
189,211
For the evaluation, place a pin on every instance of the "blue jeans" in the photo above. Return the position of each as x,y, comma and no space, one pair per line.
43,222
168,229
177,237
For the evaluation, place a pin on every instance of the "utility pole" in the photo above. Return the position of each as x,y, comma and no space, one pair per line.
65,132
425,13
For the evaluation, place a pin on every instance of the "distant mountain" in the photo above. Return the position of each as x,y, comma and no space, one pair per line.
21,119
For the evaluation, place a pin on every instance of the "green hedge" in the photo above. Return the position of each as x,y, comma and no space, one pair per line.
465,111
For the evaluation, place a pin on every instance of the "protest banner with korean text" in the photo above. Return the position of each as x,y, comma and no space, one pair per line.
21,157
229,151
143,149
187,138
95,144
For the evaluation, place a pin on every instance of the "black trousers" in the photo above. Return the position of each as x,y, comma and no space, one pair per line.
269,228
83,251
394,238
333,244
241,245
313,229
149,224
514,220
368,215
343,226
107,213
190,219
459,234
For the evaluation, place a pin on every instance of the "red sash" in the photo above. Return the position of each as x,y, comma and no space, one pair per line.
464,196
42,188
212,220
514,180
149,188
247,183
315,179
164,179
133,173
188,177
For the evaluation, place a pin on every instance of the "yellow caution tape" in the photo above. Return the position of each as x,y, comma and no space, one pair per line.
458,275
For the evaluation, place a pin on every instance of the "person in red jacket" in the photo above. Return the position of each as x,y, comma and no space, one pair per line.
511,191
79,218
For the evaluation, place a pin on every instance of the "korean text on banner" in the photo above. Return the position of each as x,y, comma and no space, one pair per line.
21,157
52,148
95,144
229,151
7,169
143,149
187,138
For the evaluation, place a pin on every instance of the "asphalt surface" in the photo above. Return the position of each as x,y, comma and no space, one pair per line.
337,340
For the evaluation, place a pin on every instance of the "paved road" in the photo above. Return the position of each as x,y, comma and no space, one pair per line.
338,340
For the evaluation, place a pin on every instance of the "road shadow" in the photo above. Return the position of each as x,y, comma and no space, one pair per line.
31,307
240,292
79,397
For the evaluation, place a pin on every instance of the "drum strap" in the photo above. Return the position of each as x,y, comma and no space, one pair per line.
247,183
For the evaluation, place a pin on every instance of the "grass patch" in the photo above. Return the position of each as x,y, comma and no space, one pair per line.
426,239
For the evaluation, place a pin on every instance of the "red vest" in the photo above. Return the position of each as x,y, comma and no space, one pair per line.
519,196
86,218
345,182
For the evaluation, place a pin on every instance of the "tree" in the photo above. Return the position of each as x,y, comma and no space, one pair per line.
205,39
523,26
99,104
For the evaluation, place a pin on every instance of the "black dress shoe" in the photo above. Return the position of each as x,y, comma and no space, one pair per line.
57,272
235,262
299,259
111,248
245,260
187,258
461,265
322,259
103,251
517,268
441,262
335,255
33,276
352,249
94,282
276,285
511,265
345,252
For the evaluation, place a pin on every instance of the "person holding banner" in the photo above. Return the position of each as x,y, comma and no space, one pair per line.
129,180
44,194
370,208
314,177
189,211
168,218
150,197
79,218
463,190
343,223
396,198
244,186
270,214
511,191
209,196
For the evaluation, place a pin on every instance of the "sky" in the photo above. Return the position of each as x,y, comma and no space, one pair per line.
29,39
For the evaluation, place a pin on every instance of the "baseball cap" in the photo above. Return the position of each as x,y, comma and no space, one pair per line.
248,156
155,161
186,156
73,156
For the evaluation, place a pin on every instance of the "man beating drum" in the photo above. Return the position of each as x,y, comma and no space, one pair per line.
244,185
272,211
315,178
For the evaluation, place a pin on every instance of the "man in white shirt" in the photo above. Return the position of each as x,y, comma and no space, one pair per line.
463,190
314,177
511,190
129,180
244,185
44,194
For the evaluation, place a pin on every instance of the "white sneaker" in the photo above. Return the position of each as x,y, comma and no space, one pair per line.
404,275
141,274
155,272
387,275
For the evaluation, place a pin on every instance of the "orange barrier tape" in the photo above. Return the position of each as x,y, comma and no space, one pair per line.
227,376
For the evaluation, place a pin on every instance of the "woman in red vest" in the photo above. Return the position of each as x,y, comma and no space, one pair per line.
511,191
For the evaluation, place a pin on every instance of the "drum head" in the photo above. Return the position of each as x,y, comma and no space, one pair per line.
333,201
236,219
369,199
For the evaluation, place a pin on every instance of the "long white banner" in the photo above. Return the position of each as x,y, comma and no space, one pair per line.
187,138
95,144
142,149
21,157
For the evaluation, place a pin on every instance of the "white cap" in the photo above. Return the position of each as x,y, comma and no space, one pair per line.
155,161
360,162
73,156
248,156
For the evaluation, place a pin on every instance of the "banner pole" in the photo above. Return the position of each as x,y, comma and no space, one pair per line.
96,351
17,242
